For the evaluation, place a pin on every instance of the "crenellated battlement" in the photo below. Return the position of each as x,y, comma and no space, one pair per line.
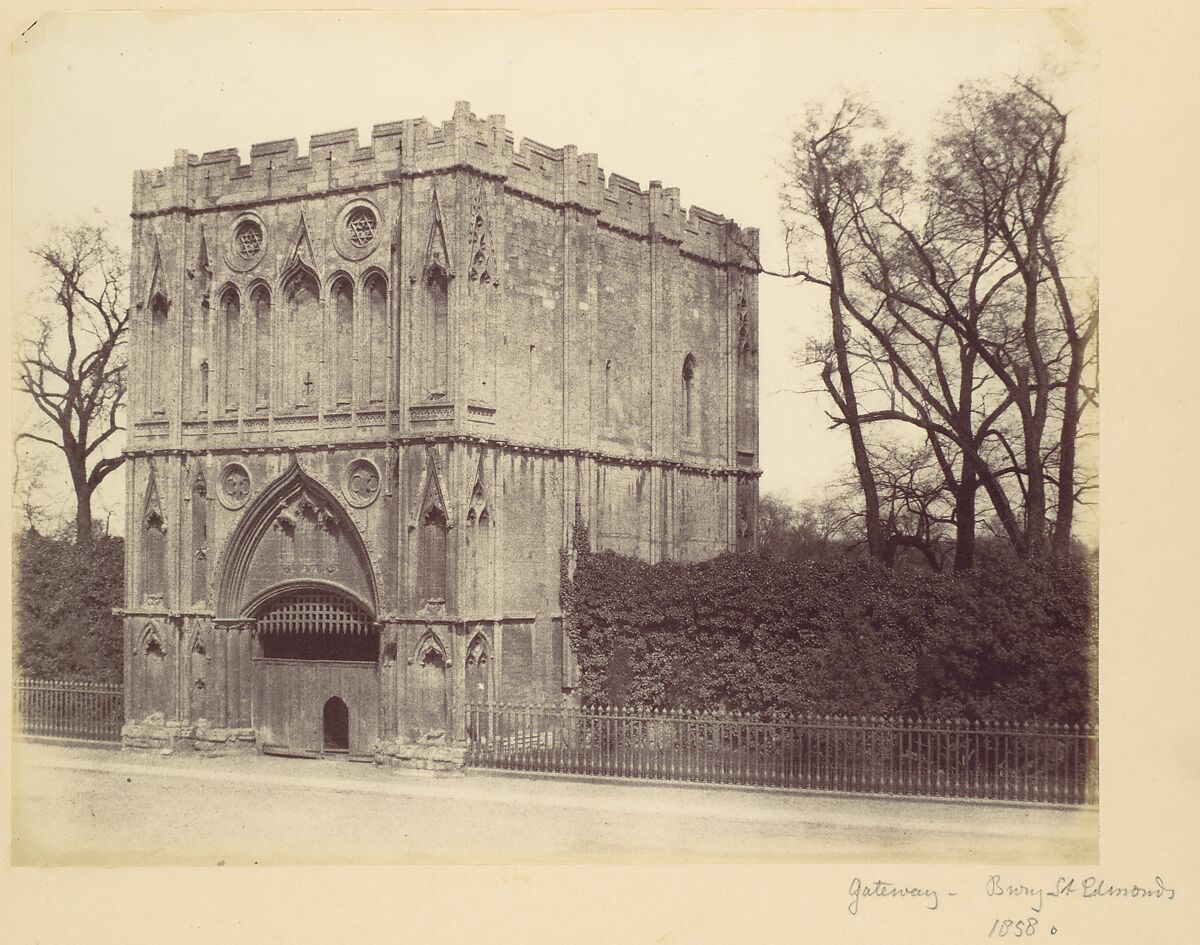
337,162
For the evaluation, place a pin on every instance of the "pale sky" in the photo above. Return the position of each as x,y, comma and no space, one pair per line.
704,102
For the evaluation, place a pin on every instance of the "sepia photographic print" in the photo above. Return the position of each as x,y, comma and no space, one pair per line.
527,439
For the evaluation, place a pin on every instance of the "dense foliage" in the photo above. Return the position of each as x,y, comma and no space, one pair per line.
1010,640
65,595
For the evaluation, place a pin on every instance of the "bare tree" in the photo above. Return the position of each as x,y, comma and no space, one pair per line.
918,503
776,522
813,195
72,363
808,531
950,316
29,499
1001,163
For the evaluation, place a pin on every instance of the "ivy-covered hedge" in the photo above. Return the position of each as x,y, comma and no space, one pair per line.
65,595
1011,640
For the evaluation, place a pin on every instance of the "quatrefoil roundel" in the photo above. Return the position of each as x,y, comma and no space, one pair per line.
234,487
361,484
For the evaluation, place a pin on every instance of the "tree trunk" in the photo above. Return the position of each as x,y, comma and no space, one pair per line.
964,517
848,401
1037,399
968,479
1065,517
77,464
83,517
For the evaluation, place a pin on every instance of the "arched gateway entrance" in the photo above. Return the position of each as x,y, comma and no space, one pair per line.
317,681
296,569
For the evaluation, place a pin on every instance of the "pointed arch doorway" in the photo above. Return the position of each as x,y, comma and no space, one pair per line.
297,571
317,679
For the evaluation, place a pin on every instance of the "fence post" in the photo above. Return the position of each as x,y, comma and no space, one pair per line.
67,708
1031,762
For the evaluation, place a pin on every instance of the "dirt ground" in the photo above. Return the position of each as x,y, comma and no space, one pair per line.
89,806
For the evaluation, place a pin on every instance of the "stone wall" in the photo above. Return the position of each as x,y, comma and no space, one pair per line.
402,371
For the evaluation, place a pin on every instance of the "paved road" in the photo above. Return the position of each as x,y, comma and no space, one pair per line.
90,806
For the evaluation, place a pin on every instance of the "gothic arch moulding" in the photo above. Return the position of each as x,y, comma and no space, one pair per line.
478,508
431,491
429,642
295,532
483,263
369,274
203,266
257,284
437,248
198,478
480,645
301,260
156,289
149,640
479,669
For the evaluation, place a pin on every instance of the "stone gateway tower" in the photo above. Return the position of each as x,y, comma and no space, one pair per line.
372,390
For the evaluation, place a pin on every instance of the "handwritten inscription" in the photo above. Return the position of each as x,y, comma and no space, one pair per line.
1027,899
1090,887
861,889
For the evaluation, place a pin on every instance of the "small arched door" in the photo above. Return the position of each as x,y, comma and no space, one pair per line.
336,725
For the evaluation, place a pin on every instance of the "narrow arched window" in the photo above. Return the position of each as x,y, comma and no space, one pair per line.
607,414
303,345
158,368
231,348
197,389
343,318
154,557
689,396
199,543
260,301
745,384
439,318
433,554
376,293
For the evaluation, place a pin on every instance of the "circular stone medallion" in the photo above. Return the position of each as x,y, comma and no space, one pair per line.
357,229
234,489
361,484
246,243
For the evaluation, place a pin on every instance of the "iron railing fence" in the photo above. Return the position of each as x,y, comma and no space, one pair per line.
1030,762
64,708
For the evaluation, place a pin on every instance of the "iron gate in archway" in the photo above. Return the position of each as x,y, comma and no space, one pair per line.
316,646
